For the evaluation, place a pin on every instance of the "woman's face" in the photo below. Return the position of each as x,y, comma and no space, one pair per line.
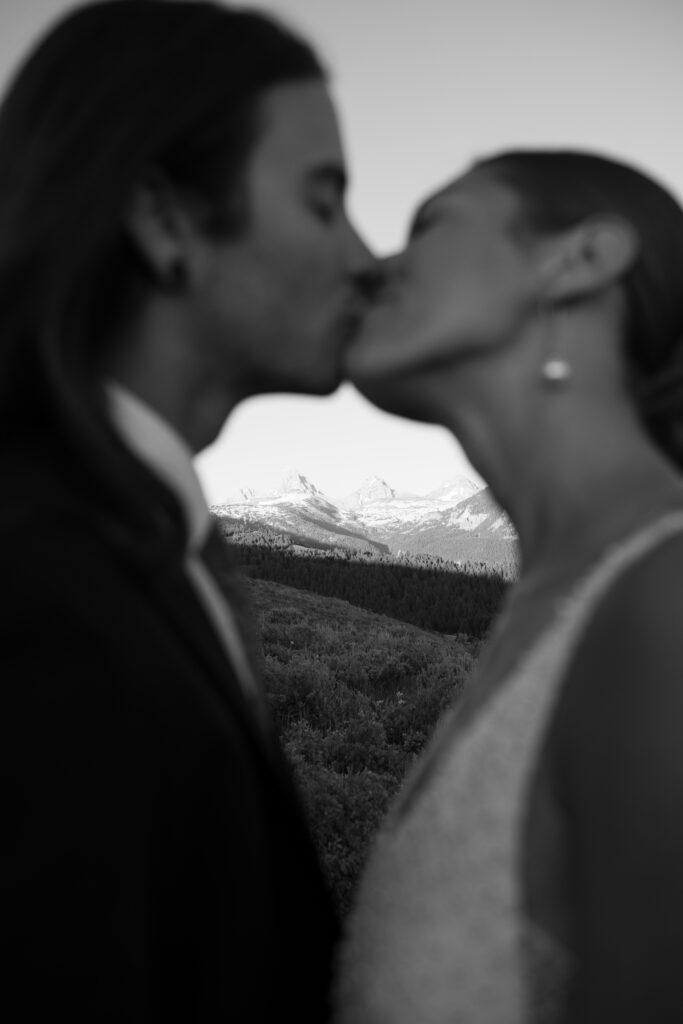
465,283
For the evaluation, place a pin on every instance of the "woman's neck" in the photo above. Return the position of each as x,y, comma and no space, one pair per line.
572,479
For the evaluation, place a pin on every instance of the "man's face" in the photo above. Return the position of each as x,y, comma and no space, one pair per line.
277,303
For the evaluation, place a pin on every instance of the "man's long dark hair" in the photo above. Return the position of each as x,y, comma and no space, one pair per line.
117,90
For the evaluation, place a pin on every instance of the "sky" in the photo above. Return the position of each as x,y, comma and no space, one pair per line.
422,88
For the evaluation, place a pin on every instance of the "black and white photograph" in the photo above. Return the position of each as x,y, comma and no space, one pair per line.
341,514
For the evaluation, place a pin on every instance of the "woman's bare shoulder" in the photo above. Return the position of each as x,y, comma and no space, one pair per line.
624,685
616,763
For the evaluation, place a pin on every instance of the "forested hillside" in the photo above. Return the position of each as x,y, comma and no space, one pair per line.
361,655
424,590
356,696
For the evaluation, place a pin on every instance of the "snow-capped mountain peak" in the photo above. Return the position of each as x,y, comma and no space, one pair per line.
454,490
295,482
372,489
458,520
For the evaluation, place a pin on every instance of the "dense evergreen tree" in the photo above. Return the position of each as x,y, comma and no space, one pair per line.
422,589
357,693
355,696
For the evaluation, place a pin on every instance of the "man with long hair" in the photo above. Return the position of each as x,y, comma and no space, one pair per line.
173,239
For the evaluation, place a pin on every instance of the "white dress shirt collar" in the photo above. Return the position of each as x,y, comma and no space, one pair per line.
160,446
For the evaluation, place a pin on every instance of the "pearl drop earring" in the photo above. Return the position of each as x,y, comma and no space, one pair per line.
556,370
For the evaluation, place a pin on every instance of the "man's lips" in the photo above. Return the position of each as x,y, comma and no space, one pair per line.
350,325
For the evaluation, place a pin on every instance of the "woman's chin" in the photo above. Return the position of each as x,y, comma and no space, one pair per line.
388,384
383,346
368,357
398,396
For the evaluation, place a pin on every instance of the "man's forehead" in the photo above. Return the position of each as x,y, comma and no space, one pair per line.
298,127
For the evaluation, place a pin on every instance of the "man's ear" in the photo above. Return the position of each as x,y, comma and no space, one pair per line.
160,227
589,258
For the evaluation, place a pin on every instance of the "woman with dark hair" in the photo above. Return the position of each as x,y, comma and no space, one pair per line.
530,868
173,239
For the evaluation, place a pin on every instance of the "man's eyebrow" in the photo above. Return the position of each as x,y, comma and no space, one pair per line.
330,174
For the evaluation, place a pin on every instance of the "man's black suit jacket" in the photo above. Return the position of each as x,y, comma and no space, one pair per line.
156,865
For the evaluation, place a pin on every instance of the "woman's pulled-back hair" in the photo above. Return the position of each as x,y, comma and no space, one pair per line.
118,90
560,188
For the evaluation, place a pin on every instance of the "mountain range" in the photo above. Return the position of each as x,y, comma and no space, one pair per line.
459,521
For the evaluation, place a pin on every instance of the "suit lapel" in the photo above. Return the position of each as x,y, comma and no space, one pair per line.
169,592
173,594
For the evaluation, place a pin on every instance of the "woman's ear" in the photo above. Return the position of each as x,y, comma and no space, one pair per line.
159,226
589,258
